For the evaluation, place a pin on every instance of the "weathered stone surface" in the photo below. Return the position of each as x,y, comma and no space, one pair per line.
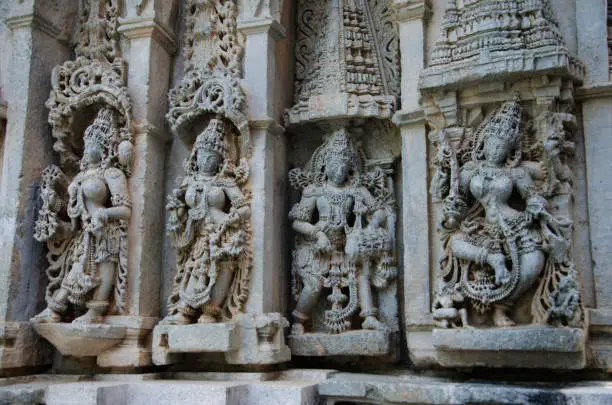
414,389
351,343
522,347
215,337
81,339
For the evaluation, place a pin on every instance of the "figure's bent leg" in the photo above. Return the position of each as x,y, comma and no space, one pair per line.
530,265
368,311
100,301
467,251
309,296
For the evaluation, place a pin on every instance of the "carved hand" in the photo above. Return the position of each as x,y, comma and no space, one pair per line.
323,244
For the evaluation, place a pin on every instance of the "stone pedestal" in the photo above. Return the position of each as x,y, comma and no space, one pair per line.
249,339
81,340
351,343
516,347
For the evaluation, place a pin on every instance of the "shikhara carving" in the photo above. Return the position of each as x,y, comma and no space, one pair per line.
86,202
213,246
498,236
87,231
349,48
344,223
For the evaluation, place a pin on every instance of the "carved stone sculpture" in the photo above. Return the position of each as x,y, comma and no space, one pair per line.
345,243
88,248
498,236
213,260
209,212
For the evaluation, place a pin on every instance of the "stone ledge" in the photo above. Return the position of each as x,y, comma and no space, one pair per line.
353,343
509,65
81,340
519,347
424,390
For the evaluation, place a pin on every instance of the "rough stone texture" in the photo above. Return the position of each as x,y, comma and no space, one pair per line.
34,48
249,339
418,390
520,347
81,340
351,343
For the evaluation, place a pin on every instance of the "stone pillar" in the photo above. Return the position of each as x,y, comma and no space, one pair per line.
269,275
152,44
415,218
596,97
38,43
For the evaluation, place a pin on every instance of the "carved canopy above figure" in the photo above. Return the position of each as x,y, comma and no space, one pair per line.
347,61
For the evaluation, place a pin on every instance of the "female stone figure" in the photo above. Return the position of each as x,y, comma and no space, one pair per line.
208,226
497,249
88,255
333,248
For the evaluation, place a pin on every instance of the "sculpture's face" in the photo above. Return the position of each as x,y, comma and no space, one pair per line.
207,161
93,152
496,150
337,171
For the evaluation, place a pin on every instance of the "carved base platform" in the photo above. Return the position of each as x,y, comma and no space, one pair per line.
352,343
117,343
22,348
248,339
81,340
516,347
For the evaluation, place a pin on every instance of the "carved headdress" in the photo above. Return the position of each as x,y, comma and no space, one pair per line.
211,139
340,147
103,132
503,123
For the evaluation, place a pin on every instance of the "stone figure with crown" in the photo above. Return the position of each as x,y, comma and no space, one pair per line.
344,239
84,221
499,238
212,240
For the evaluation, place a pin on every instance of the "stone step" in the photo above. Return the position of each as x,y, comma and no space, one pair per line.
182,393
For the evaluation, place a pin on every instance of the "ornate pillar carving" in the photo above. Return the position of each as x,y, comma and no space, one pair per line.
227,295
416,223
592,20
38,42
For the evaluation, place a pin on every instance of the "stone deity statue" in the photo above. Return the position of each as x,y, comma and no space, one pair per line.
343,243
208,225
498,235
88,253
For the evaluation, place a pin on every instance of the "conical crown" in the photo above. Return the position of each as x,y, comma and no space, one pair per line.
100,130
505,122
212,138
340,147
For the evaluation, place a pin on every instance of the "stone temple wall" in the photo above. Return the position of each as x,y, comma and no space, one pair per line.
309,202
